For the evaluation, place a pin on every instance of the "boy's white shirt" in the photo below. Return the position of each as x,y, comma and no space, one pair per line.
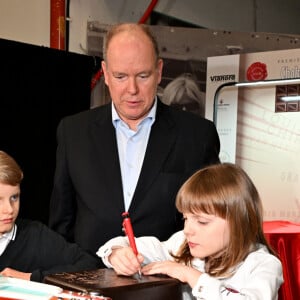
257,278
6,238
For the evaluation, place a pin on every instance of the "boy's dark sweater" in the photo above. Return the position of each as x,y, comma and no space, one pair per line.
41,251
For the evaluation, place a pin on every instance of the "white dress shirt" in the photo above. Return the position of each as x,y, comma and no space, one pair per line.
6,238
132,147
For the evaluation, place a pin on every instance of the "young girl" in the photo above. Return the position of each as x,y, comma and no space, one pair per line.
221,253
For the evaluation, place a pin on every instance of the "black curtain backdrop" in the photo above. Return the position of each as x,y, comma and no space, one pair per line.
39,86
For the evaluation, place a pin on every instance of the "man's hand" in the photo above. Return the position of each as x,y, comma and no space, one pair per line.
16,274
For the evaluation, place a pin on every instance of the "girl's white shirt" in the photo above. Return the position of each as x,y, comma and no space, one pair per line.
258,277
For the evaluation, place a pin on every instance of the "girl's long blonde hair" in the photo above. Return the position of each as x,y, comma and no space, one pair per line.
227,191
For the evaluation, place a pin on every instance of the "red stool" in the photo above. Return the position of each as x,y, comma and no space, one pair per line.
284,237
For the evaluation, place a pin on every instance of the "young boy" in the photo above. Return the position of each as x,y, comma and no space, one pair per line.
29,249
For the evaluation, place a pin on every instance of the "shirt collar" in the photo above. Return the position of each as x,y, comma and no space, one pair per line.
150,115
10,235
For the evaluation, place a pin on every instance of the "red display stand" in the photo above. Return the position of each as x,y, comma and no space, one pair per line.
284,237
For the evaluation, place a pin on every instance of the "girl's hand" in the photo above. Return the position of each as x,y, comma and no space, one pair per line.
16,274
124,261
174,270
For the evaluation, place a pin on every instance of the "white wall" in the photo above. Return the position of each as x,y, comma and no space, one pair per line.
25,21
29,20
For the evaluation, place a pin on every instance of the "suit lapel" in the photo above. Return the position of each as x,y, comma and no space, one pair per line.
104,139
161,140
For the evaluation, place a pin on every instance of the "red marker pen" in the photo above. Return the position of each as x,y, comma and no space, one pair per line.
129,232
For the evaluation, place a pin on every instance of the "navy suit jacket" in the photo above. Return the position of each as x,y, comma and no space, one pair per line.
87,199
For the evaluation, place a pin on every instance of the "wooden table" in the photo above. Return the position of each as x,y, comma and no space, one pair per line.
107,283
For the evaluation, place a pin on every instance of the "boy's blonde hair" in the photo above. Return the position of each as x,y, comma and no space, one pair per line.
10,171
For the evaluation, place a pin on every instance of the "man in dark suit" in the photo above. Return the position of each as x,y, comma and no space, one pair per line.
130,155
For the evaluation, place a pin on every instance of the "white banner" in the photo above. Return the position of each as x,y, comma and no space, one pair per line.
221,101
267,142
